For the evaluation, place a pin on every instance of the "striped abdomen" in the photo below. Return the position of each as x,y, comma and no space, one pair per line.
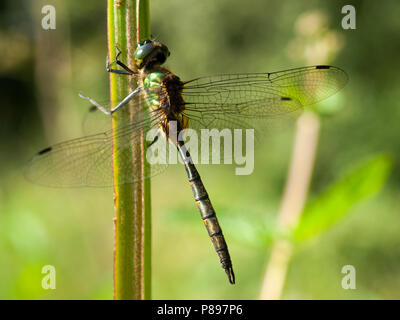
207,212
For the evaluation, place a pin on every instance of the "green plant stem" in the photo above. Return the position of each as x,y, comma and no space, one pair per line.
295,195
132,250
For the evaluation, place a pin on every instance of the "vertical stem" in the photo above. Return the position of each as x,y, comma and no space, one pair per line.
132,255
295,195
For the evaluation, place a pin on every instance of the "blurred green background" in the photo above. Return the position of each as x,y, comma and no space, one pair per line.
42,72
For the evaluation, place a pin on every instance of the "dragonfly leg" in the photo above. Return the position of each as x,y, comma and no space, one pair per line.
126,70
128,98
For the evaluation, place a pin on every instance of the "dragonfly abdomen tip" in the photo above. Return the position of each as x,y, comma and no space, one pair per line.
231,275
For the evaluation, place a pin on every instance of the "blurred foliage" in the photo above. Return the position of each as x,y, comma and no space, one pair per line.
41,73
329,207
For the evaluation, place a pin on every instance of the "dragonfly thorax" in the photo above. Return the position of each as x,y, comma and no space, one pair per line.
163,91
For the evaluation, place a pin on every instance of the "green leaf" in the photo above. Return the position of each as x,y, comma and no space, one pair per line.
332,205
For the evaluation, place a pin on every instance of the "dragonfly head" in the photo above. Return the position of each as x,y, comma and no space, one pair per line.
150,53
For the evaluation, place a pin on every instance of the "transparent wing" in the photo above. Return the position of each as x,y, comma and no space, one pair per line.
260,101
263,94
87,161
95,121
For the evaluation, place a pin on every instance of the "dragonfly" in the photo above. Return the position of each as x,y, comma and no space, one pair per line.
219,101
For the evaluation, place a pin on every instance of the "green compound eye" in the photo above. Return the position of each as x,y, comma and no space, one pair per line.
143,51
